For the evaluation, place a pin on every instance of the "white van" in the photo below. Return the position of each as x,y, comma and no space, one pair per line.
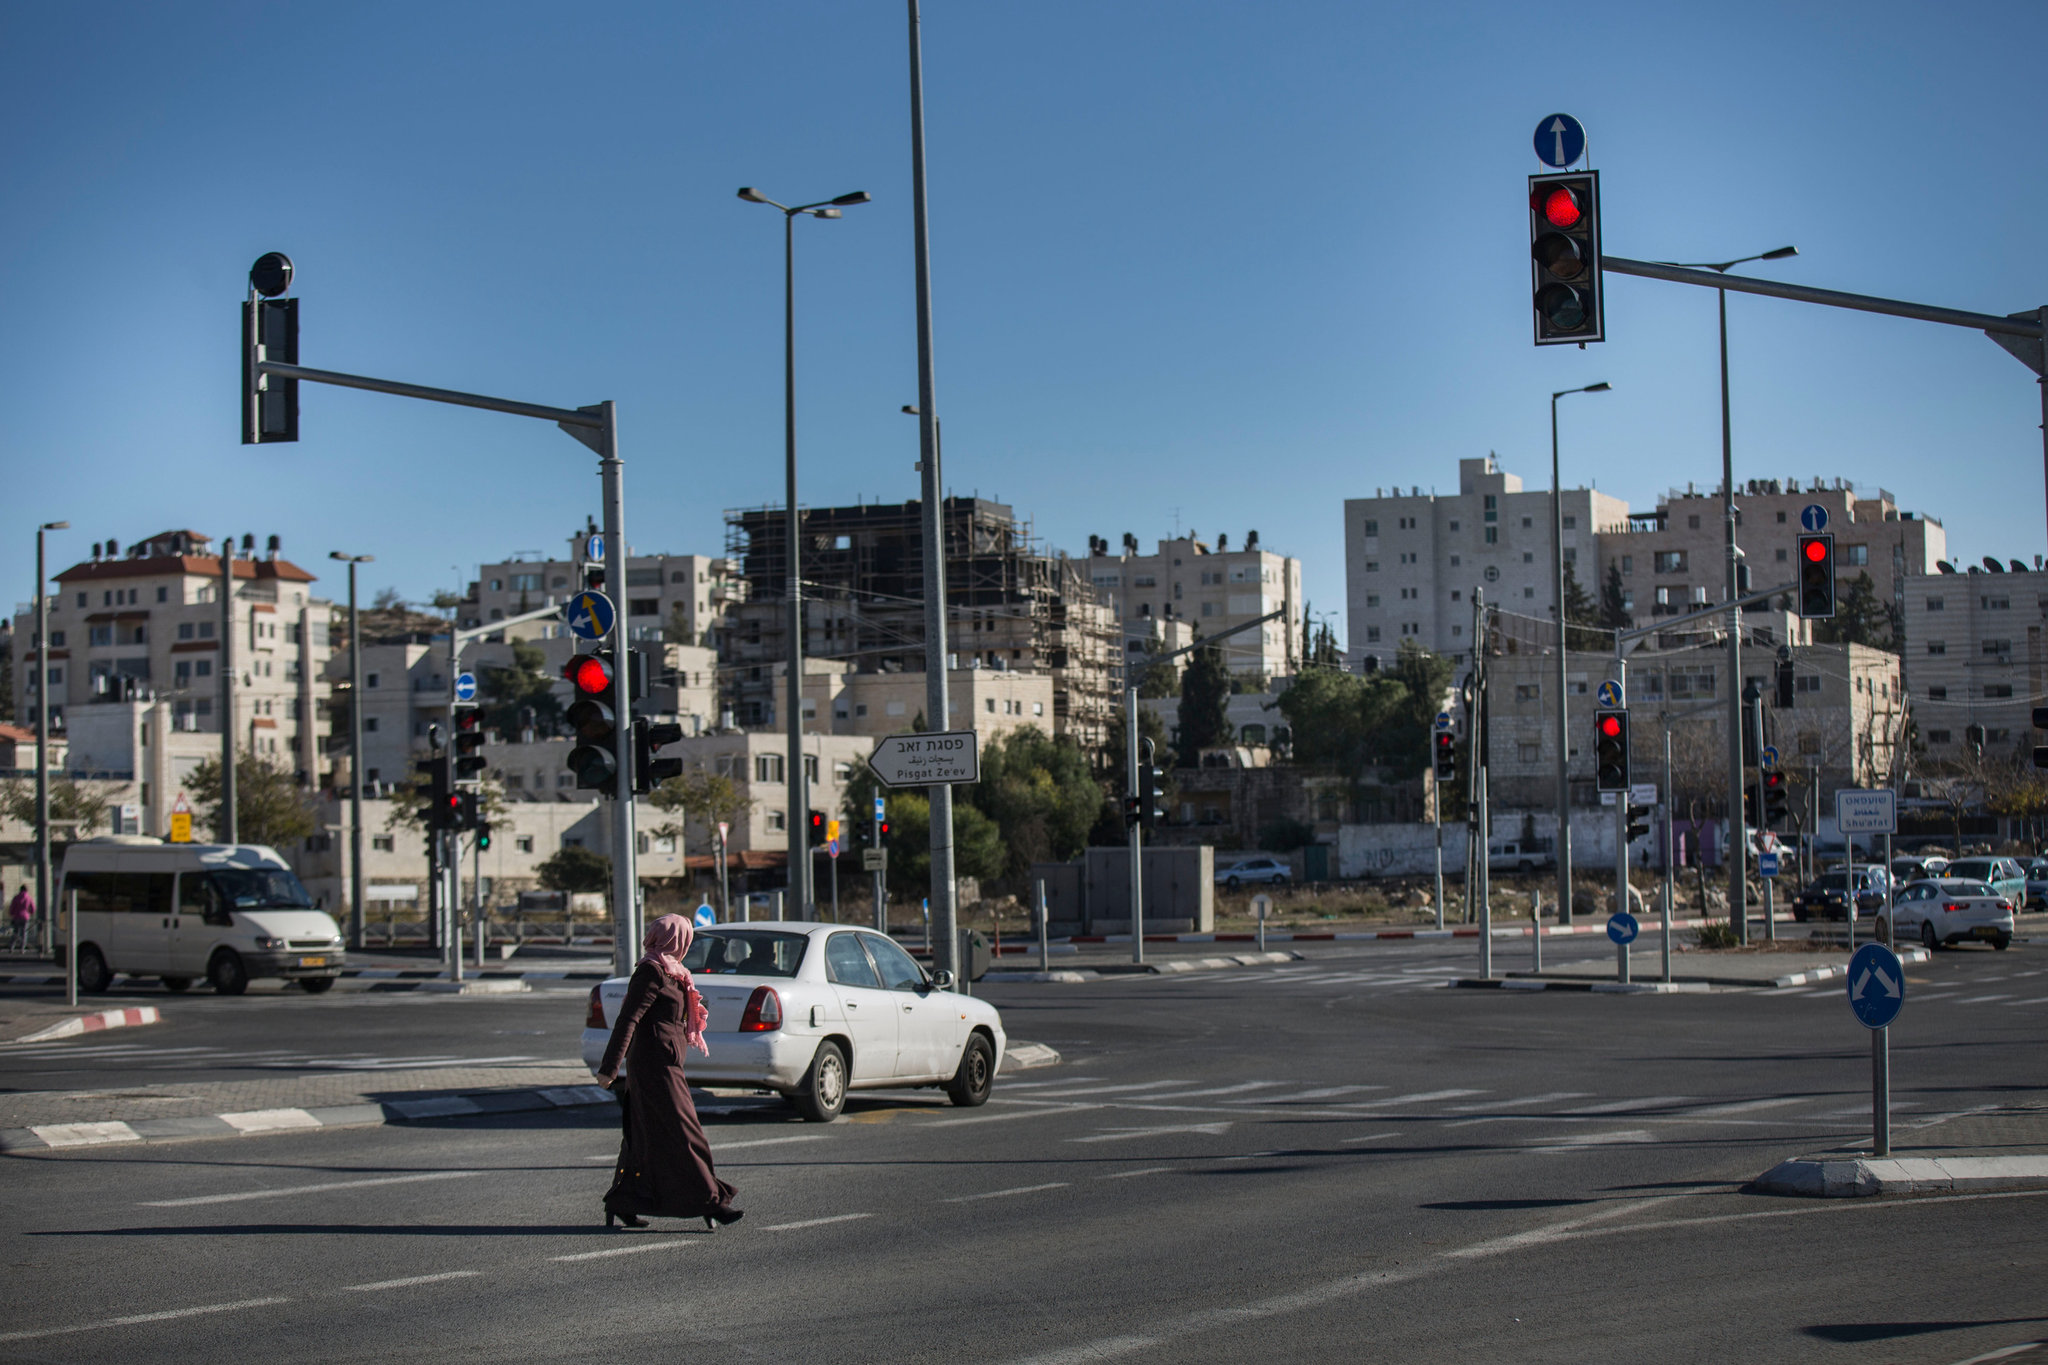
227,912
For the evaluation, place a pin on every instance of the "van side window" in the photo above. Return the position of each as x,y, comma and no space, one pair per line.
197,896
122,893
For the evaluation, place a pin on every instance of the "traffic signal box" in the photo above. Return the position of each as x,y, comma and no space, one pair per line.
270,406
1564,250
1638,822
594,760
1777,800
1817,575
2040,719
1610,751
469,744
1150,794
1444,748
439,812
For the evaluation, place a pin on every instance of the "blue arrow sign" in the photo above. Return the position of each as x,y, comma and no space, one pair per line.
1443,720
590,615
1610,694
1767,758
1813,517
1877,985
879,812
593,549
705,916
465,687
1766,864
1560,141
1622,928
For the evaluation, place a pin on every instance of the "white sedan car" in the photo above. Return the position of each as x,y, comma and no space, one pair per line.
1949,909
811,1011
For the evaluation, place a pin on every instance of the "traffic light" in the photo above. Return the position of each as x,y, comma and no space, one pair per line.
817,827
469,743
270,331
1973,735
467,811
1131,816
649,738
1777,800
2041,723
1785,685
1564,250
1445,746
1638,822
594,760
1817,575
1748,806
831,831
1610,751
1151,792
440,792
483,837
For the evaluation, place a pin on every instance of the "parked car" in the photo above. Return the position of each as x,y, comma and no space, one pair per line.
1952,910
178,912
2006,875
1918,868
811,1011
1267,870
2037,884
1525,856
1826,895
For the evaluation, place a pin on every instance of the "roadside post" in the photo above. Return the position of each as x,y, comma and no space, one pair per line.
941,758
1877,992
1862,810
70,947
1767,868
1536,931
724,888
1044,948
778,907
1261,904
1622,927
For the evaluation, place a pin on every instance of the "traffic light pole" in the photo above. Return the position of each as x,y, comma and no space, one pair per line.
597,428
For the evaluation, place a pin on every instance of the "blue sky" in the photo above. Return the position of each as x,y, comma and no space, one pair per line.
1219,263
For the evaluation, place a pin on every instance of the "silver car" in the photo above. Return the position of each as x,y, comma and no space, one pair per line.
811,1011
1270,871
1952,910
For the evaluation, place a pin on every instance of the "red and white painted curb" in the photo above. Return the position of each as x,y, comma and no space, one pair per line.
93,1023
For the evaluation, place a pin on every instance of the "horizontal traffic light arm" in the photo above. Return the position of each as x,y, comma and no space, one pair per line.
1665,623
1832,298
568,417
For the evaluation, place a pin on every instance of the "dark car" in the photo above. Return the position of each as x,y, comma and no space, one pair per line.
1824,897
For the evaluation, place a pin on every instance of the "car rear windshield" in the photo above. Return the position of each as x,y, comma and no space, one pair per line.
1960,888
1831,881
746,952
261,888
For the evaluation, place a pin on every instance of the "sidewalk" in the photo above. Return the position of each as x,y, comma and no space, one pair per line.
1698,969
1997,1147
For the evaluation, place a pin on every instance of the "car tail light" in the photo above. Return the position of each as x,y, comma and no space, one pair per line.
764,1011
1954,908
2005,904
595,1019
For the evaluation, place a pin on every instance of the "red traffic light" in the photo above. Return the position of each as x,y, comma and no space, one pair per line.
1816,551
1610,726
589,675
1559,206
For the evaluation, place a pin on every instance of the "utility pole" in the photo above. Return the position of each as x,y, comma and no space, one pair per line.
46,910
355,754
227,833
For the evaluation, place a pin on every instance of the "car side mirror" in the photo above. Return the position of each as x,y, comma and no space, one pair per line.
942,980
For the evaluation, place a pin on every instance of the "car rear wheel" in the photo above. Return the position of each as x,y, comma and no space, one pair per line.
93,975
971,1084
177,984
1883,930
316,985
1928,938
823,1091
227,974
1231,883
2002,942
1280,880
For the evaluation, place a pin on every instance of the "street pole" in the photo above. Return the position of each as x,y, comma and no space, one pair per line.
625,874
1479,826
946,950
227,833
355,756
724,888
1738,851
1669,887
46,909
881,875
799,824
1437,793
1621,800
1137,829
1564,782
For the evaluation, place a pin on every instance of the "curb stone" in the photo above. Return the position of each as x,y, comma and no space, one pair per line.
1868,1176
1518,983
1166,967
93,1023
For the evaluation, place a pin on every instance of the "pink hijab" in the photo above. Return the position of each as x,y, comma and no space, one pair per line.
668,938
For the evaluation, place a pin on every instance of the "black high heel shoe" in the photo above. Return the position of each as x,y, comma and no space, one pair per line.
723,1214
630,1220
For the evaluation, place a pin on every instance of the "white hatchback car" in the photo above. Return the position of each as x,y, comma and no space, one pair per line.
811,1011
1270,871
1950,909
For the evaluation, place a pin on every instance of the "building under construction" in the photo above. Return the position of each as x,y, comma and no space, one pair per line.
1011,605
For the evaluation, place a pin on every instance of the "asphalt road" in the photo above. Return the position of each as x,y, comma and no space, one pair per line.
1337,1159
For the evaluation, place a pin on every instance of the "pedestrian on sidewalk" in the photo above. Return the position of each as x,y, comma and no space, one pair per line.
21,912
665,1164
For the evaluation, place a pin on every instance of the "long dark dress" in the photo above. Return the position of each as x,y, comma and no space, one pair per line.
664,1161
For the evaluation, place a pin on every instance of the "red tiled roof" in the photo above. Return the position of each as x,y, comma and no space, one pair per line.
19,734
96,570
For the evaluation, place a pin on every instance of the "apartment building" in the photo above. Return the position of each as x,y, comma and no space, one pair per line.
1412,561
1211,588
1975,661
756,762
145,624
989,701
680,598
1674,559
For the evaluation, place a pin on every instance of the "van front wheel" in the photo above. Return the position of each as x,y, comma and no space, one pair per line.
93,976
226,972
314,985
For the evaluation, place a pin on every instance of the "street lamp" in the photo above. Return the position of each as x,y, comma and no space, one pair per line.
1738,909
799,793
355,753
1564,783
44,909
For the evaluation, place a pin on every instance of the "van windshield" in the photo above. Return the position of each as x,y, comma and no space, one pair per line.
261,888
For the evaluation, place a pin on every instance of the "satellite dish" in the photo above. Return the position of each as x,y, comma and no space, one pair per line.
2016,566
1992,565
1944,566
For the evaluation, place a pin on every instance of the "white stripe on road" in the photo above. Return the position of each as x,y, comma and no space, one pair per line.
135,1318
1120,1135
1105,1090
1419,1097
1369,1137
1588,1140
667,1244
1745,1106
1040,1085
1003,1194
1616,1106
1327,1092
817,1222
1218,1090
412,1280
1983,999
1014,1114
1126,1175
756,1142
322,1188
1525,1101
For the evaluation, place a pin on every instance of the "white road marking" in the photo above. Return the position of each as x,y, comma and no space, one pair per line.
1014,1114
1616,1106
322,1188
2038,1000
1040,1085
1106,1090
134,1318
1003,1194
1218,1090
666,1244
766,1142
1983,999
1369,1137
817,1222
411,1280
1327,1092
1122,1134
1523,1102
1745,1106
1126,1175
1419,1097
1585,1140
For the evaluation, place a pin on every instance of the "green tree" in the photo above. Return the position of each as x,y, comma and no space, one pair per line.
508,692
700,797
1859,619
1158,678
1285,835
1319,640
69,803
1204,705
270,806
977,844
1351,724
576,869
1403,744
1613,600
1582,616
1040,795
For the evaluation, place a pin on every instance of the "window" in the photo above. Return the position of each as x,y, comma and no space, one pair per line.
1454,525
768,768
1855,554
1997,736
1372,566
1529,752
811,769
1492,508
56,639
1372,528
1372,633
203,667
1781,552
1528,692
1810,743
1997,689
1628,564
184,630
1670,561
1940,737
1492,575
1493,535
1571,523
1937,646
523,843
1628,599
1806,682
369,680
1997,648
1692,523
1781,518
990,702
369,725
1690,683
777,820
1937,694
847,965
99,635
644,606
1997,603
1528,556
1038,708
1529,593
1372,599
899,972
1455,561
383,843
1527,523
